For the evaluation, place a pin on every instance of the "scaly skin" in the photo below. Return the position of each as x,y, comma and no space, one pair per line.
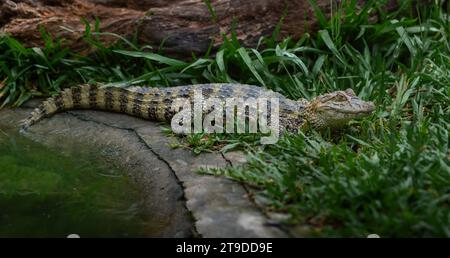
329,110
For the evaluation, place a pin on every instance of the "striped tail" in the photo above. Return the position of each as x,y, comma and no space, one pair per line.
70,98
88,97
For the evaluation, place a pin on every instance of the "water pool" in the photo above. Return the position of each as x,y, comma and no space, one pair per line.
44,193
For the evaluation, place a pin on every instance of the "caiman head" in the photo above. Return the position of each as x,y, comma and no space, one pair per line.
336,109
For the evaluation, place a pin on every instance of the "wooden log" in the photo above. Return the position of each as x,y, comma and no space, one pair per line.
183,26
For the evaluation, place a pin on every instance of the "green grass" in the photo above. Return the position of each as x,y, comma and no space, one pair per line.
388,174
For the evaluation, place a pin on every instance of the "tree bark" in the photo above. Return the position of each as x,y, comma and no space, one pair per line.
182,26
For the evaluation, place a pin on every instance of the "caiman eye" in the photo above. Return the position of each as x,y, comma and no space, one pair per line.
350,92
341,97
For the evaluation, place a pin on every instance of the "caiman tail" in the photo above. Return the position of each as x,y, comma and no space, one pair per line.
150,105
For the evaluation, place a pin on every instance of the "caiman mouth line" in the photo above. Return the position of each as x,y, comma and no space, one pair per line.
356,112
368,111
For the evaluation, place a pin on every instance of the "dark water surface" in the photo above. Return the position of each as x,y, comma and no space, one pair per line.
44,193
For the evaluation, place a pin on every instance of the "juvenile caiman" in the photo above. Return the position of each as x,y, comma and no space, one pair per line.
330,110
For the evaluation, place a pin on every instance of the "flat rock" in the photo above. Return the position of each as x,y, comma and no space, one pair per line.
183,202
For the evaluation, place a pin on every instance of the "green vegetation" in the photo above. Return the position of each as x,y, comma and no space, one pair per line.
388,174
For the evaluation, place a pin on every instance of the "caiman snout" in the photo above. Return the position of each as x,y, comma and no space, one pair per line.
369,107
